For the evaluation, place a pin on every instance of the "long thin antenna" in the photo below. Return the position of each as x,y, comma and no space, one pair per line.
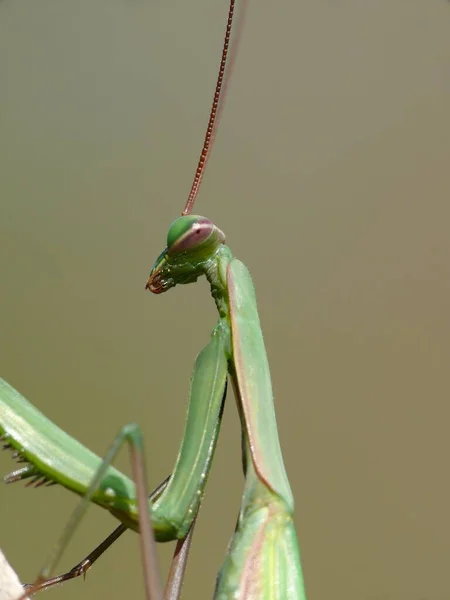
213,115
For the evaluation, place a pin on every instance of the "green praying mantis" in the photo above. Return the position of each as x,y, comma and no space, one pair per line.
263,559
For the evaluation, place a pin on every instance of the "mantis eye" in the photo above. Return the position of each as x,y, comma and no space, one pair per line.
192,232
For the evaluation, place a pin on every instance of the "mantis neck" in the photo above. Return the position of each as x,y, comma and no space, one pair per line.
216,274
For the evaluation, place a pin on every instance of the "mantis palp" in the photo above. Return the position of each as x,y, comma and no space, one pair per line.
263,559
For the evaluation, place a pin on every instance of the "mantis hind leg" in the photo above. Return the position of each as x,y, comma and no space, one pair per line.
81,568
131,435
174,581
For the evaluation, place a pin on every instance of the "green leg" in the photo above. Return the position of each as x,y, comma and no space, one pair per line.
81,568
177,568
130,434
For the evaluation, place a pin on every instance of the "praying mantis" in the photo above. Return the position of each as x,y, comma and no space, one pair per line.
263,559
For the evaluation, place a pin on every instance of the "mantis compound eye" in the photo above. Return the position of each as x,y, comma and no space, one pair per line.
193,233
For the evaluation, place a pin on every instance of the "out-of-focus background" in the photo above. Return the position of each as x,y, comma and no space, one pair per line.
331,179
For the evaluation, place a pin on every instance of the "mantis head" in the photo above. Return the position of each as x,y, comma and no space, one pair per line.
191,242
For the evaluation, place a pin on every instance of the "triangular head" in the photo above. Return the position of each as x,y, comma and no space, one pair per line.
192,242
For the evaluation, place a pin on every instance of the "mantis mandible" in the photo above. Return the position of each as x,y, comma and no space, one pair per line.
263,558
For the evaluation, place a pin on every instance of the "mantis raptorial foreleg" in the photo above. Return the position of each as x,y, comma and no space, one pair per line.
174,507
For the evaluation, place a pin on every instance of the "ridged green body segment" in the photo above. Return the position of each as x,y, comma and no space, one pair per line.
263,561
255,386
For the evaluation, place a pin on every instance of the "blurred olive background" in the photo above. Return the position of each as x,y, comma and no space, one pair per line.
331,179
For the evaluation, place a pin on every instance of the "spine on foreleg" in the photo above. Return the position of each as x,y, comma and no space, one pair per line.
263,561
